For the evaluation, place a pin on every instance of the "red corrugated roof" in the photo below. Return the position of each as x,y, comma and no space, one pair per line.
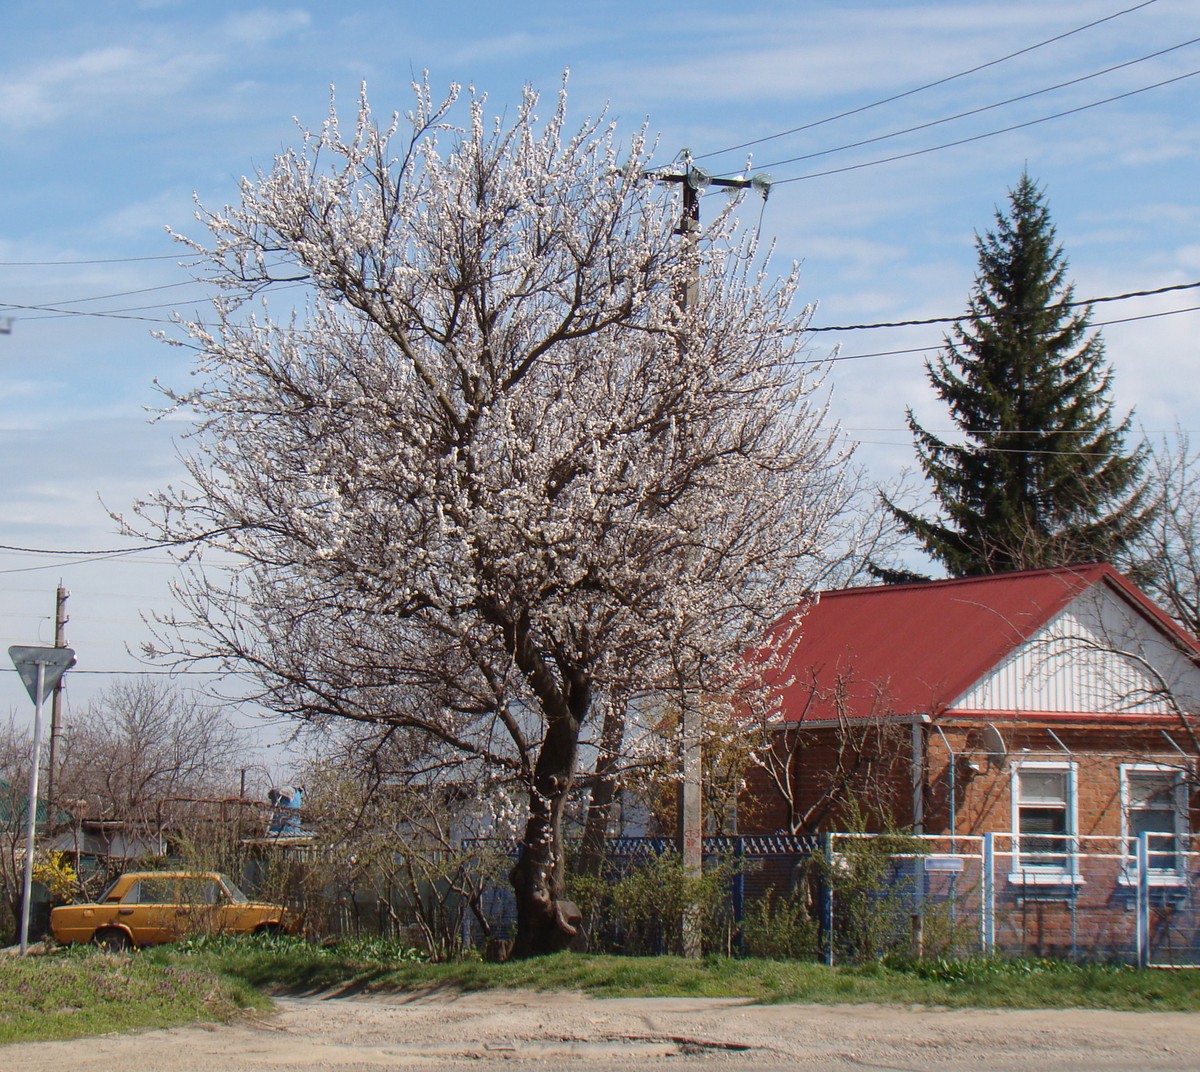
914,648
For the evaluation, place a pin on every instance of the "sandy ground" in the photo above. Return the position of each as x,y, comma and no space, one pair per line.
339,1033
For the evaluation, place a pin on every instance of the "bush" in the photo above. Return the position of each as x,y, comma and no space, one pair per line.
642,911
780,927
874,889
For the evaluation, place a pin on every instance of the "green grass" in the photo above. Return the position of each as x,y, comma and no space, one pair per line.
85,992
286,966
69,995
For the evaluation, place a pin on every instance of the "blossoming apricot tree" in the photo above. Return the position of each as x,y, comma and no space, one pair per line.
494,477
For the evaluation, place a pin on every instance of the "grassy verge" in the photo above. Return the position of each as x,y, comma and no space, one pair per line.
290,967
86,992
70,995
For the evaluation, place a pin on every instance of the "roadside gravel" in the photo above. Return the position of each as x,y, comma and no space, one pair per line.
347,1033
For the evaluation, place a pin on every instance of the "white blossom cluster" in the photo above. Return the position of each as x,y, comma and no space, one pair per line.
494,470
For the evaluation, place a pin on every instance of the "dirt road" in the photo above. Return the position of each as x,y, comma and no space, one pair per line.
521,1030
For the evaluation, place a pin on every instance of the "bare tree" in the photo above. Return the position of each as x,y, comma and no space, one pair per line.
141,745
139,754
859,750
496,473
14,804
1170,547
421,829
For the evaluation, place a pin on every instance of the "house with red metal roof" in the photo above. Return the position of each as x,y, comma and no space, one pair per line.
1055,709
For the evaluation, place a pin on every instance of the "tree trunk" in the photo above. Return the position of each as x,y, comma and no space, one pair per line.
546,921
595,826
603,793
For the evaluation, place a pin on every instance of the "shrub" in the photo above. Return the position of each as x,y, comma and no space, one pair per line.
642,910
780,927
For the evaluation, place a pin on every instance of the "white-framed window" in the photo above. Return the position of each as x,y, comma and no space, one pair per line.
1044,822
1154,802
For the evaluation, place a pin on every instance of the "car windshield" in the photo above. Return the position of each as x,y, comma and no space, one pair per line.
108,889
235,895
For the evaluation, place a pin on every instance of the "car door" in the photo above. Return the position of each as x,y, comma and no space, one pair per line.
148,910
202,902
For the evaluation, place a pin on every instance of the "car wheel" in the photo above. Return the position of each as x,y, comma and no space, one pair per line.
112,940
271,929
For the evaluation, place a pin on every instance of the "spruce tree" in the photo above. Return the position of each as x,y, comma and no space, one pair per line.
1041,476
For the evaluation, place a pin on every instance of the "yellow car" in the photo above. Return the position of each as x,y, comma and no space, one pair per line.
149,907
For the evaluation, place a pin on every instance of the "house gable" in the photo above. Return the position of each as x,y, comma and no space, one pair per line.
903,649
974,644
1102,654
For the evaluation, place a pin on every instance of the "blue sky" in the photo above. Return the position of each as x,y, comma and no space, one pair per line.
117,113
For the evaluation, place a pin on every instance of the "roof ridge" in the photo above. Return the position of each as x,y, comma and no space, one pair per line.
1086,570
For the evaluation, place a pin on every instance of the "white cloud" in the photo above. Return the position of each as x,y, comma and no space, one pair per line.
265,24
93,82
172,207
501,47
853,49
1188,257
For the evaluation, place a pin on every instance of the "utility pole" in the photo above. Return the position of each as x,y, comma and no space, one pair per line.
60,641
689,809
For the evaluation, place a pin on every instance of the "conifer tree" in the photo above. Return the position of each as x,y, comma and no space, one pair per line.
1041,475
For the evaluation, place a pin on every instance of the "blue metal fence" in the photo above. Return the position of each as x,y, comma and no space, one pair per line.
1108,899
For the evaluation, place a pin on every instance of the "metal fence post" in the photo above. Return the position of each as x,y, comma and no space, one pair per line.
739,887
1143,900
988,907
827,899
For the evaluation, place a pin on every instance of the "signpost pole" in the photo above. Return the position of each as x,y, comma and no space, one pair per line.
31,810
40,669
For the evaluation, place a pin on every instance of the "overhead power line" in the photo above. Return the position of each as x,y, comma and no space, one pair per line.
988,134
938,345
142,673
102,260
1061,305
86,312
56,305
116,294
154,545
57,312
842,327
928,85
981,109
102,551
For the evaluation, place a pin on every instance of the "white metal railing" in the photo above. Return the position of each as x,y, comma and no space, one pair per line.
1150,869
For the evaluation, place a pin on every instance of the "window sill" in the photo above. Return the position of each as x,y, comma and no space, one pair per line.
1171,879
1045,878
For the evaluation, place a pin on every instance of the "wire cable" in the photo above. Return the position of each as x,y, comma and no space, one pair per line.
101,551
58,313
980,110
142,673
154,545
929,85
1050,308
104,260
128,293
987,134
939,345
115,294
84,312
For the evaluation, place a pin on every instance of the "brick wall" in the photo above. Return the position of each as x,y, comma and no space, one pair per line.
839,782
1089,918
983,801
874,771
